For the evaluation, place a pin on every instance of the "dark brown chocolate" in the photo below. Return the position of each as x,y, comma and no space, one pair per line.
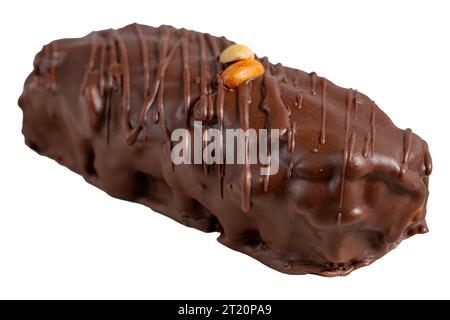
350,187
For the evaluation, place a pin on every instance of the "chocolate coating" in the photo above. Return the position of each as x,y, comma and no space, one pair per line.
350,187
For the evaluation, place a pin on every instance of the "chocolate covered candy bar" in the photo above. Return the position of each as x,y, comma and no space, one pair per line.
348,187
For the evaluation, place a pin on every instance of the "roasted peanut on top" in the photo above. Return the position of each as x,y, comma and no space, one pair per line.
244,66
241,71
236,52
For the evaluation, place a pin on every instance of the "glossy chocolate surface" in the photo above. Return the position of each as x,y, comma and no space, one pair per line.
351,185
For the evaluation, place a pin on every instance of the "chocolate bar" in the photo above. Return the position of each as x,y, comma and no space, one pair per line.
350,186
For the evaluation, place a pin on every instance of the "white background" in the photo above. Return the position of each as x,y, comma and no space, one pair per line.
62,238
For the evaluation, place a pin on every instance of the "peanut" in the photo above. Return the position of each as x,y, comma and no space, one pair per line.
241,71
236,52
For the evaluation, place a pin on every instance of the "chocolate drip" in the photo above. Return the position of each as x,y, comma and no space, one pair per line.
266,110
324,112
352,146
155,117
346,146
407,142
102,70
87,87
204,107
373,130
146,73
113,63
163,49
213,43
427,160
313,76
366,149
125,76
204,80
145,62
219,106
47,51
53,63
357,103
246,174
91,62
299,101
291,145
112,74
339,219
186,80
216,50
291,133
